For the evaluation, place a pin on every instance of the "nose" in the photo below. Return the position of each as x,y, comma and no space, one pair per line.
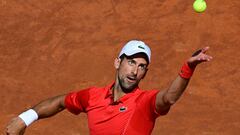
134,70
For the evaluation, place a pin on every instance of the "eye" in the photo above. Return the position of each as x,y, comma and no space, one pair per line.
143,67
131,62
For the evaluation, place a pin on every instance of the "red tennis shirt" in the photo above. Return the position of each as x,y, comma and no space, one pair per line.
132,114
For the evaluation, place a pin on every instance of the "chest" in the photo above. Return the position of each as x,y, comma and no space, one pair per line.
114,117
130,115
106,112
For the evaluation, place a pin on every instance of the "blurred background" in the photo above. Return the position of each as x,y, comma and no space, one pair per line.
53,47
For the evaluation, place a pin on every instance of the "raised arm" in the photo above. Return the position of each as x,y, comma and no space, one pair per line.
168,97
44,109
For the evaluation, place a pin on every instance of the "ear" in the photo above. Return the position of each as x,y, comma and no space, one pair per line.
117,63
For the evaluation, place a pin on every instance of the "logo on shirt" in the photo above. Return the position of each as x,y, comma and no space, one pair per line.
122,109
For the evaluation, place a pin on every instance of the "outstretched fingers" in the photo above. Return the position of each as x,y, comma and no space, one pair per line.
202,56
200,51
199,56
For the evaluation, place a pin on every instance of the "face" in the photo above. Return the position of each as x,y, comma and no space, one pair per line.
130,71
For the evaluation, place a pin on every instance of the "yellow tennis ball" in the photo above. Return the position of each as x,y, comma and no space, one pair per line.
199,6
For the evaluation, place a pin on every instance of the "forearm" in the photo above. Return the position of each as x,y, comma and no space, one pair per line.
168,97
44,109
176,89
180,83
50,106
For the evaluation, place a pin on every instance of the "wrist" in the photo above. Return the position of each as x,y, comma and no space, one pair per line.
187,70
192,66
29,116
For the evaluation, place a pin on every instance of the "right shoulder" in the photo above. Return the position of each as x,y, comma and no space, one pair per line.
91,92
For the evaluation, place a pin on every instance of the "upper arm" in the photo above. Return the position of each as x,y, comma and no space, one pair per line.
162,106
168,97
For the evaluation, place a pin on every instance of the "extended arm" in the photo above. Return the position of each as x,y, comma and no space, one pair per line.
50,107
168,97
44,109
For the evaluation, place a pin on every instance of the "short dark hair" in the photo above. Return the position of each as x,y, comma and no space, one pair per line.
123,56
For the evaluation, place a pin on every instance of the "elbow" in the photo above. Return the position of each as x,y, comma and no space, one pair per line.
169,100
172,101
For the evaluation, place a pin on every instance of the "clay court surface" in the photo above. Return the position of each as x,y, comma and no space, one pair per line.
51,47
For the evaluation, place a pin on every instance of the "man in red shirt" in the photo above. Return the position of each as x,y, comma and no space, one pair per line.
121,108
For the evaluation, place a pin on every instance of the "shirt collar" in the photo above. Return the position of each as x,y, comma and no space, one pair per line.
108,90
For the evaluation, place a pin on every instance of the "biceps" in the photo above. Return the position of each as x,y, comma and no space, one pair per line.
162,106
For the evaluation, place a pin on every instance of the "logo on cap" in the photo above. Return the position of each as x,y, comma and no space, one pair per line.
141,47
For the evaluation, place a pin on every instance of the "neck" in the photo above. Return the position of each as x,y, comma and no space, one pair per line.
117,91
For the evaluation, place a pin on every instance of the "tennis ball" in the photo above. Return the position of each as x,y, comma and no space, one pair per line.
199,6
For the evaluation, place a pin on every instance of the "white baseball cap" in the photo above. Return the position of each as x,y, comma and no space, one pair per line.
135,46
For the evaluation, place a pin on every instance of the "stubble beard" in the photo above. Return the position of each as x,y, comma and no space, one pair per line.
127,86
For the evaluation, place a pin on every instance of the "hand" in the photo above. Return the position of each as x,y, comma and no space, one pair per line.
15,127
199,57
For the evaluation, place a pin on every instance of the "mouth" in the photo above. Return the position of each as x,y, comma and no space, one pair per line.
131,79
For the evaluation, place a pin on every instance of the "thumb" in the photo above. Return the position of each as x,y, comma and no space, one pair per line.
204,50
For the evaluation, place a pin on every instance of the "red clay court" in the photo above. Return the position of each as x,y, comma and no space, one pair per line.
52,47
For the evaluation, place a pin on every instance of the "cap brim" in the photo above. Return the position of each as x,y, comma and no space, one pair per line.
132,52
